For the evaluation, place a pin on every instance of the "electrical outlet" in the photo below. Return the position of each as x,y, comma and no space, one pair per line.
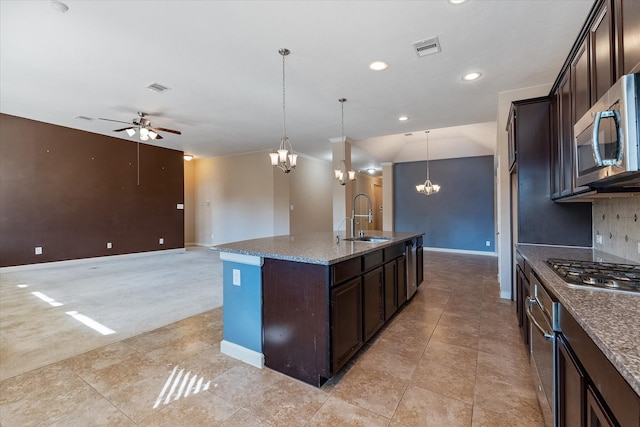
599,239
161,241
487,243
291,207
180,206
38,250
109,245
236,277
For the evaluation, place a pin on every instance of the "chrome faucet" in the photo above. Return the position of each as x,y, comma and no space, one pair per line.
369,216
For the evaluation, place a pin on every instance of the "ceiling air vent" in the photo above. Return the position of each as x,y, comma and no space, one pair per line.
426,47
89,119
157,87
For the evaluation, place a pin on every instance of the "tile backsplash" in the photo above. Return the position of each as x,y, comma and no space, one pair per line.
616,222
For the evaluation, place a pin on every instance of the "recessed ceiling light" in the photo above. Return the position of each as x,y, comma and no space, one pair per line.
403,118
378,66
59,6
371,171
471,76
457,1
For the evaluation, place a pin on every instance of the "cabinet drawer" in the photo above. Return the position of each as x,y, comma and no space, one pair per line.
393,252
345,270
372,260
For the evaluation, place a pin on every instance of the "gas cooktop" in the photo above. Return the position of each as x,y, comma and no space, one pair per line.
600,275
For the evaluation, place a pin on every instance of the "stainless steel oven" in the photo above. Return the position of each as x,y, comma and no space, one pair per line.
542,311
606,138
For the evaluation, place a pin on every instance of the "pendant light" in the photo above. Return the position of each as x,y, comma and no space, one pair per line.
427,188
342,174
281,157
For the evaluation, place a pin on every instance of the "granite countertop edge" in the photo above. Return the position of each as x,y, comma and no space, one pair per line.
606,317
326,250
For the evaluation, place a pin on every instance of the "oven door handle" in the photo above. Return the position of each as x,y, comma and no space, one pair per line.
547,335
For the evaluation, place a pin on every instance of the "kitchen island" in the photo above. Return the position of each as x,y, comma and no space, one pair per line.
305,304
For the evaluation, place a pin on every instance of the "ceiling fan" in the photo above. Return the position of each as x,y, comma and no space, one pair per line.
144,127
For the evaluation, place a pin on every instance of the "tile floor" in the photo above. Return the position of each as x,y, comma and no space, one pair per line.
451,357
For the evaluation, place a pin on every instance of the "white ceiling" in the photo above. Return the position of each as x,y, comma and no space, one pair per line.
221,61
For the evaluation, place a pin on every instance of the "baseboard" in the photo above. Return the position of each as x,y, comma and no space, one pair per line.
461,251
242,353
92,260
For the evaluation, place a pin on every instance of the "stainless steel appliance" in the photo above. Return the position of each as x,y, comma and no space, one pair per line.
542,312
606,138
412,272
598,275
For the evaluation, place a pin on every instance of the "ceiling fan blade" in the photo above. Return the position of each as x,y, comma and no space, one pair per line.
117,121
120,130
177,132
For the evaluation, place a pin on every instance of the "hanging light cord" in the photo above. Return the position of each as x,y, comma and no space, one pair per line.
427,132
284,53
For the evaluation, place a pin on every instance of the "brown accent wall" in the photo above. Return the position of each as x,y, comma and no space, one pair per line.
71,192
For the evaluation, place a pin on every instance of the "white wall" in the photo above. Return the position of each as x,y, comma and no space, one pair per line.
243,197
311,194
503,182
235,198
189,204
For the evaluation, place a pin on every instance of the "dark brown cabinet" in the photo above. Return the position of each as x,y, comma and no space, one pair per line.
402,280
390,289
522,299
596,414
627,36
570,386
601,48
346,321
373,302
540,220
590,391
580,81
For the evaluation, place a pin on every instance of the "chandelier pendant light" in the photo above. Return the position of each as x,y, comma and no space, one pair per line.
427,188
284,157
342,175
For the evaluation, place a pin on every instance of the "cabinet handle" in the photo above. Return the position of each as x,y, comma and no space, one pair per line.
615,114
547,335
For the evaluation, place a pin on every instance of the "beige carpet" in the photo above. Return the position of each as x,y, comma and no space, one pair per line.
127,295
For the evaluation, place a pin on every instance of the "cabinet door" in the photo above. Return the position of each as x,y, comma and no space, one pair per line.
628,36
581,82
565,135
346,322
390,289
419,265
596,414
556,152
402,280
570,387
373,302
601,53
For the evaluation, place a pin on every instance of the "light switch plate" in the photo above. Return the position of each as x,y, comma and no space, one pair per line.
236,277
599,238
38,250
180,206
161,241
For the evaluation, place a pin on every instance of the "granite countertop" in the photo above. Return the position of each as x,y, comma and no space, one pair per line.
313,248
611,319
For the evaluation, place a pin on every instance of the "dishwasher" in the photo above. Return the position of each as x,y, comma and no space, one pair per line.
412,272
542,311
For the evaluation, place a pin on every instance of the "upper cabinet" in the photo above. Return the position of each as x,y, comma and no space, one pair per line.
627,41
607,48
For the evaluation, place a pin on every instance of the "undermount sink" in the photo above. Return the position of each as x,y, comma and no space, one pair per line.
371,239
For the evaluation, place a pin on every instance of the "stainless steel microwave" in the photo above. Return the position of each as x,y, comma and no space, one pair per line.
606,153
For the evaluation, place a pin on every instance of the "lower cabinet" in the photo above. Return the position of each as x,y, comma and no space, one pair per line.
373,302
346,324
402,280
522,299
570,386
590,391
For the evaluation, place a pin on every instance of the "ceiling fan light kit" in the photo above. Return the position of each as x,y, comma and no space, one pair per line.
143,125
